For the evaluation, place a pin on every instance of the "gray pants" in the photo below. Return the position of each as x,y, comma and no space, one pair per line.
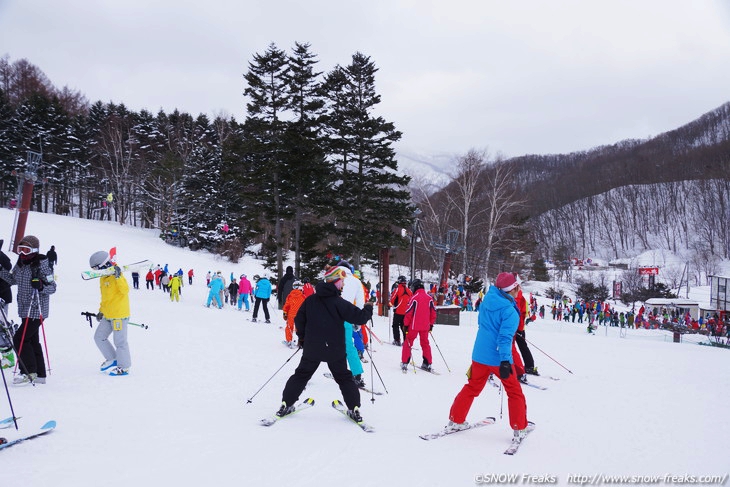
117,326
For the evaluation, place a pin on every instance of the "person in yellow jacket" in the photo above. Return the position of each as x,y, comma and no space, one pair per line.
175,285
113,316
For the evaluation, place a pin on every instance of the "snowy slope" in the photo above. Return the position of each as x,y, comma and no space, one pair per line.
640,405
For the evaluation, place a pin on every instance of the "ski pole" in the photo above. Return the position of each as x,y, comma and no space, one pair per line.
548,356
370,330
22,337
372,362
10,401
141,325
88,317
439,349
250,399
43,329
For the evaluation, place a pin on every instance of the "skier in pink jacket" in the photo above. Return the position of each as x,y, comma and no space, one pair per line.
418,322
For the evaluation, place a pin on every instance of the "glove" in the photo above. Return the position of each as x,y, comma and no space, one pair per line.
117,271
300,343
373,299
505,369
99,316
521,333
36,283
431,328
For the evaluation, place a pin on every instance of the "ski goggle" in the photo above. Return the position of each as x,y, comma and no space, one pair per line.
102,266
26,250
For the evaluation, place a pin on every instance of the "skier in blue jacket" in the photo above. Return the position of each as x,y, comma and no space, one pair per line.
262,294
216,285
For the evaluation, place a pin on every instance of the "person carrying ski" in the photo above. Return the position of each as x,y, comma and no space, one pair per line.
113,316
35,282
498,321
320,325
399,300
418,320
291,306
262,294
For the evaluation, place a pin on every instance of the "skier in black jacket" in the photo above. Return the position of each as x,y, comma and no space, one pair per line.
320,324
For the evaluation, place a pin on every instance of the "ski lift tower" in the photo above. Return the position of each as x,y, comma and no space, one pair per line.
449,246
29,177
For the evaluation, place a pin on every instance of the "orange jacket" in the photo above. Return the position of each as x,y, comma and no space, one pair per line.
291,306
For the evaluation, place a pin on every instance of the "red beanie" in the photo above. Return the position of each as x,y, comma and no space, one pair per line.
507,281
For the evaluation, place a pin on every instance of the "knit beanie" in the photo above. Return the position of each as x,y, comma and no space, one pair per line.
334,274
507,281
31,241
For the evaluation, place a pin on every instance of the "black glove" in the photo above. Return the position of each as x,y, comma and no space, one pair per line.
36,283
301,343
431,329
373,299
99,316
505,369
521,334
117,271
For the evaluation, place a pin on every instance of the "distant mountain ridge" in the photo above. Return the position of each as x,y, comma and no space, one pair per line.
695,151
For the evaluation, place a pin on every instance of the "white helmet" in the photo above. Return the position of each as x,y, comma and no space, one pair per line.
98,259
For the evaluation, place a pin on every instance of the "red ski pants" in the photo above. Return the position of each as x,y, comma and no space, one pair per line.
478,379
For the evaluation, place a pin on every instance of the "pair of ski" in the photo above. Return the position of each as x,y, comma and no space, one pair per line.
493,382
6,423
364,389
308,403
485,422
95,274
415,369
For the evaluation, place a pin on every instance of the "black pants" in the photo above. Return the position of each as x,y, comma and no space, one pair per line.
31,352
265,301
524,350
151,285
398,326
307,367
135,282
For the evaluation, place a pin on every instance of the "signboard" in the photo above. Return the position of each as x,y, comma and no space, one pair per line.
616,289
648,271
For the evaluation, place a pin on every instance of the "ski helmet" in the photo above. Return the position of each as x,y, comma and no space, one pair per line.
402,279
416,285
98,259
297,284
256,277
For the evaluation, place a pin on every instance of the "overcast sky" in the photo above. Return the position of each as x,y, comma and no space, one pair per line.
511,76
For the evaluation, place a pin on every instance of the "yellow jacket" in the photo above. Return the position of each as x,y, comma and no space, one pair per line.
114,297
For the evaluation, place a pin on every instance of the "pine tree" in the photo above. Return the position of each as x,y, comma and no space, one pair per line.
310,171
361,150
266,168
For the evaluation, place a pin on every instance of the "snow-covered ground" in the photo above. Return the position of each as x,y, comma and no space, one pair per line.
635,406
